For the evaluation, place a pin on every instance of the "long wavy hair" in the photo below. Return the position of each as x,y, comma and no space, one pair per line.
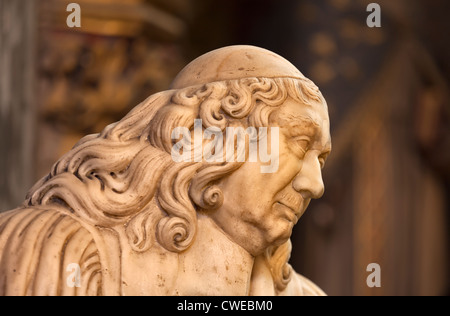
111,178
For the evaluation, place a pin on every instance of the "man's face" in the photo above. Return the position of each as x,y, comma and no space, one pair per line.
260,210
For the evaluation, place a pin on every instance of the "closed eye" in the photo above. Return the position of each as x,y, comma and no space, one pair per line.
301,145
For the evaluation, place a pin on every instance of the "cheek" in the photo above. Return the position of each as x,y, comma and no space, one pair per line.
255,206
290,166
259,191
251,193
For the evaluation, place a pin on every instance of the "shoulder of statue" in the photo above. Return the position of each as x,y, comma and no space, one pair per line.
63,243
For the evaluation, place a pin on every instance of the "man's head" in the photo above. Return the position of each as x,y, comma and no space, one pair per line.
261,209
127,174
252,87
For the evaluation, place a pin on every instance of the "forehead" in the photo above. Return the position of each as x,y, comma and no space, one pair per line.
293,112
311,119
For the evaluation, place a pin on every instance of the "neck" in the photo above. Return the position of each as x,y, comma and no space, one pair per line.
214,265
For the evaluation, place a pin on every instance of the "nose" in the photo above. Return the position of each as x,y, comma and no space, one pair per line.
308,181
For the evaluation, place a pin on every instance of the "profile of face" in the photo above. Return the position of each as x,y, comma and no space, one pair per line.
133,217
261,209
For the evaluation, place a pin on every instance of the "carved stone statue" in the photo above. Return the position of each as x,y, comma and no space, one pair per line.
119,215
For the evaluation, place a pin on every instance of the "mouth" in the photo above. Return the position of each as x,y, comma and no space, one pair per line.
297,214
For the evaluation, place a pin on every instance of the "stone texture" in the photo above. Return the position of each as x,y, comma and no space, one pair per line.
118,216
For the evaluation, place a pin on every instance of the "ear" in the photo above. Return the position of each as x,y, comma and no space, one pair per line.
203,192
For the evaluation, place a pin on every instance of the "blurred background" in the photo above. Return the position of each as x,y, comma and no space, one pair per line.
387,181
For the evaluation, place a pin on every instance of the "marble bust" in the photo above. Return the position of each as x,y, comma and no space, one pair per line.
119,215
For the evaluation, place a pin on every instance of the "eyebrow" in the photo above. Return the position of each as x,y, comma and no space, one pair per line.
299,125
302,125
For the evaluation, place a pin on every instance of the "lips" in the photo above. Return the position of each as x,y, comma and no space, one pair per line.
296,213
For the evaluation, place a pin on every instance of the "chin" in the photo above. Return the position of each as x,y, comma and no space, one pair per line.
282,234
